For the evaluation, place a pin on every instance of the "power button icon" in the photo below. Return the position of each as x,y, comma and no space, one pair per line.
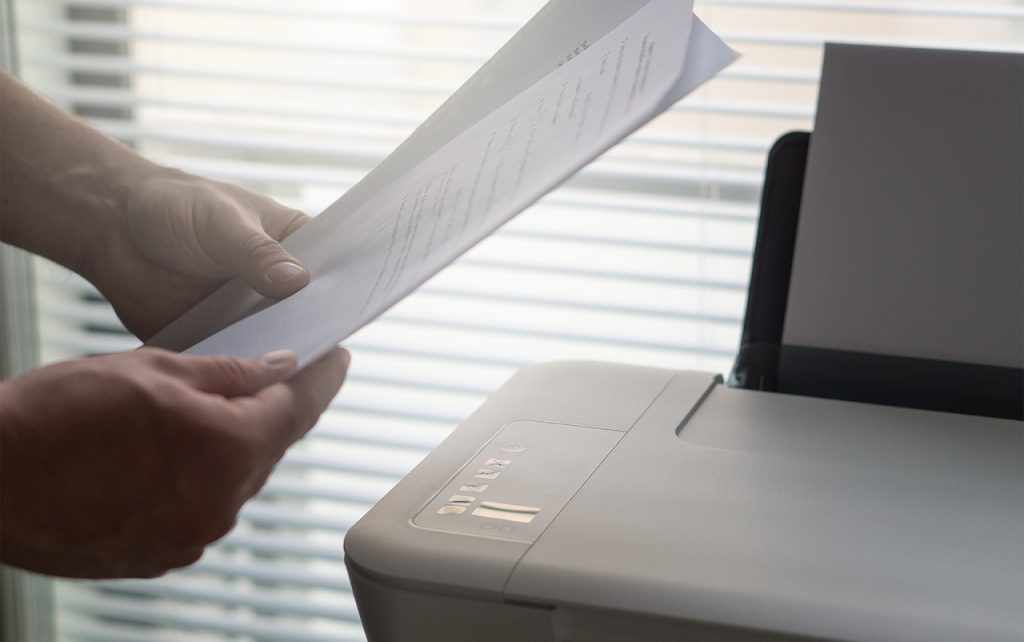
513,446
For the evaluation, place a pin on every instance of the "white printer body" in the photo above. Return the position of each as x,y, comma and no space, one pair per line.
864,482
666,506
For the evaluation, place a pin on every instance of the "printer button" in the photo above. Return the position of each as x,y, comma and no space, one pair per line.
451,510
499,464
461,500
513,446
486,473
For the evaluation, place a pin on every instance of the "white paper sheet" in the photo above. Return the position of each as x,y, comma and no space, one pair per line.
582,75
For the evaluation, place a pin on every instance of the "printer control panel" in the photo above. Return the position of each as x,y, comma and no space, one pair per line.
519,481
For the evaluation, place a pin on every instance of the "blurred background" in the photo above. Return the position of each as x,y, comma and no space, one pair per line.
642,258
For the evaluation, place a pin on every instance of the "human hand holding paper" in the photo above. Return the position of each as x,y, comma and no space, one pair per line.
130,464
157,453
580,77
153,239
175,238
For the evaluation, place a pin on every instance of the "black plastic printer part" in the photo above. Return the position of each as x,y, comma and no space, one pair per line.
764,363
757,363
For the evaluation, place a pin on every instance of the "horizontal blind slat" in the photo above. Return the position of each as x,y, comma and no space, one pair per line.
317,12
325,12
95,96
277,602
365,147
107,64
130,34
951,10
192,619
119,33
347,487
391,463
278,544
269,573
464,285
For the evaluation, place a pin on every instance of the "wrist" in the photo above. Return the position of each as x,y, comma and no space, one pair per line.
61,177
63,211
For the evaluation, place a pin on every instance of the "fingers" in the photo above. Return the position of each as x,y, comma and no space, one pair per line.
296,404
245,241
233,377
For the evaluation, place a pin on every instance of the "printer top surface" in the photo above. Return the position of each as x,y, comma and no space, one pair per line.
827,518
816,517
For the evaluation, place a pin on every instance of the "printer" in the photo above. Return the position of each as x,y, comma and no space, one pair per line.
859,477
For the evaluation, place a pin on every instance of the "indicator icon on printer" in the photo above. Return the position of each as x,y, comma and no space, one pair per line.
507,512
487,473
451,510
499,464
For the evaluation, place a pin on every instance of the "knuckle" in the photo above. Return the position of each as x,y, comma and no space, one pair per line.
260,247
209,198
293,415
159,398
230,371
241,430
153,355
157,359
291,419
166,399
297,219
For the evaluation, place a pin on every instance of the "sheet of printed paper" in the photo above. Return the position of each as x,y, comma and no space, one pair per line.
486,155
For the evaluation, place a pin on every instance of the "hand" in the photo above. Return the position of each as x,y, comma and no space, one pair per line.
173,238
153,240
129,465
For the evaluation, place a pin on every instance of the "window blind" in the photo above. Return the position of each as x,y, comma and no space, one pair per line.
642,258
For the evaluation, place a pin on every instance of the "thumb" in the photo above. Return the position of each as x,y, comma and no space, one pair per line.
268,268
237,238
233,377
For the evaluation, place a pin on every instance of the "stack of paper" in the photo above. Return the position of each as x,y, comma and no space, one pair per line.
577,79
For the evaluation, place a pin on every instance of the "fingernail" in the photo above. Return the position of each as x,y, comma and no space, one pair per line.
280,360
284,271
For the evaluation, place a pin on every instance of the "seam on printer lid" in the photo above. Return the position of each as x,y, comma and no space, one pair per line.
714,381
529,547
696,407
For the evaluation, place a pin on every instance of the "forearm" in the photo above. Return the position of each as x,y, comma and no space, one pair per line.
60,179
